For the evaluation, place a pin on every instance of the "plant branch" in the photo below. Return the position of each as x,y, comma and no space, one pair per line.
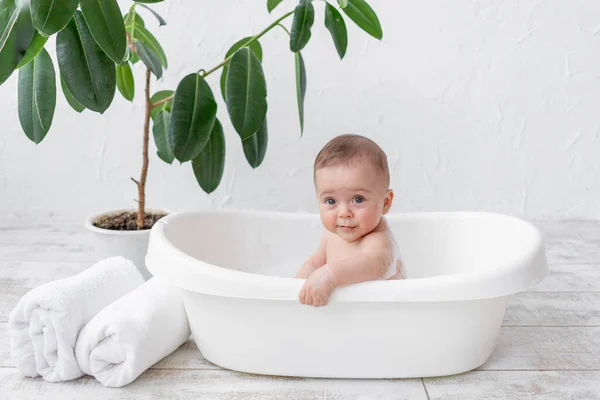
130,42
142,181
163,101
226,61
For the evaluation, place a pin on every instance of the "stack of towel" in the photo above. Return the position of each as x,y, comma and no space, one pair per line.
105,321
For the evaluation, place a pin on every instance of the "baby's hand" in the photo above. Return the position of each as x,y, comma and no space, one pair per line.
317,288
305,271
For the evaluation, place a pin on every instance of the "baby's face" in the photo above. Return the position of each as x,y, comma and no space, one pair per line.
351,199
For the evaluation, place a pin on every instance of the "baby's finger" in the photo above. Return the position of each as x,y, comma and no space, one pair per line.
309,298
322,302
302,295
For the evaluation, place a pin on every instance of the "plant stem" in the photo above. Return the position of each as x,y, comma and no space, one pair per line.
249,42
226,61
142,182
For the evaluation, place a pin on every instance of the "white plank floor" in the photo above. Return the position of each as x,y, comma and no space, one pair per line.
549,347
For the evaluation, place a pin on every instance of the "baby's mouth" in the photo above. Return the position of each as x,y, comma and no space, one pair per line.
346,227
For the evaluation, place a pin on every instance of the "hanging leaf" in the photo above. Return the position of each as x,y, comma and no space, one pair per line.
143,35
304,17
246,92
149,58
210,163
255,46
50,17
364,16
88,73
193,115
334,22
300,88
105,22
271,4
75,105
125,81
343,3
37,43
160,129
16,33
161,20
158,96
255,147
37,96
148,1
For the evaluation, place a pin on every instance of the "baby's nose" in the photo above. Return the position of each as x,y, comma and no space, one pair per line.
344,211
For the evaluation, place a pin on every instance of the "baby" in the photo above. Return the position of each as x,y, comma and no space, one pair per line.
352,180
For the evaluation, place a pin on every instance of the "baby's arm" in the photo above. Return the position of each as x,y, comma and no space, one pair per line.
373,262
315,261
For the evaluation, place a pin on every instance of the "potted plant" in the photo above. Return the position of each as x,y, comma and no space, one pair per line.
95,48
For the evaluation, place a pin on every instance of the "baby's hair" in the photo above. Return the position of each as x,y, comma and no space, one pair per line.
350,149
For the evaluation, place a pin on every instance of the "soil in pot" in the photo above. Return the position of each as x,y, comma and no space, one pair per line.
126,221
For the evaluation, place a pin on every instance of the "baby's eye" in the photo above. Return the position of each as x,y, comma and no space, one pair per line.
359,199
330,201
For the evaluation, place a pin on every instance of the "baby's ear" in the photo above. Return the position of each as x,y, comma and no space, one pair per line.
387,202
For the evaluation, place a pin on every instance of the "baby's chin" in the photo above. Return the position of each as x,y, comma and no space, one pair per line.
349,235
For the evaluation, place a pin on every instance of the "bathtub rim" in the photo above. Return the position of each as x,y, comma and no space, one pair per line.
175,267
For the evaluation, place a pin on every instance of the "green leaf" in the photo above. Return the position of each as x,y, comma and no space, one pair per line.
16,33
160,129
300,88
10,11
210,163
255,46
51,16
125,81
158,96
255,147
148,1
106,26
161,20
133,57
193,115
88,72
148,57
37,96
334,22
75,105
304,17
343,3
271,4
132,21
143,35
37,43
364,16
246,92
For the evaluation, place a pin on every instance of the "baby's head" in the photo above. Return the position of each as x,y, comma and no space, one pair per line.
352,181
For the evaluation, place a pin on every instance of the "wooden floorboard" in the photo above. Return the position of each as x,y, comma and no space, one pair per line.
516,385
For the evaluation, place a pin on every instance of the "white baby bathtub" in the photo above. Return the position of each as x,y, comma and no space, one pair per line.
237,269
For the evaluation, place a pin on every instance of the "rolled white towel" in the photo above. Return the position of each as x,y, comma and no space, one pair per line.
44,325
133,333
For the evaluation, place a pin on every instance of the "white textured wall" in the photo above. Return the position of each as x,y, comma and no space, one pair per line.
480,105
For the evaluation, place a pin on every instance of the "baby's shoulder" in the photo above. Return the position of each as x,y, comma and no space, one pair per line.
378,239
